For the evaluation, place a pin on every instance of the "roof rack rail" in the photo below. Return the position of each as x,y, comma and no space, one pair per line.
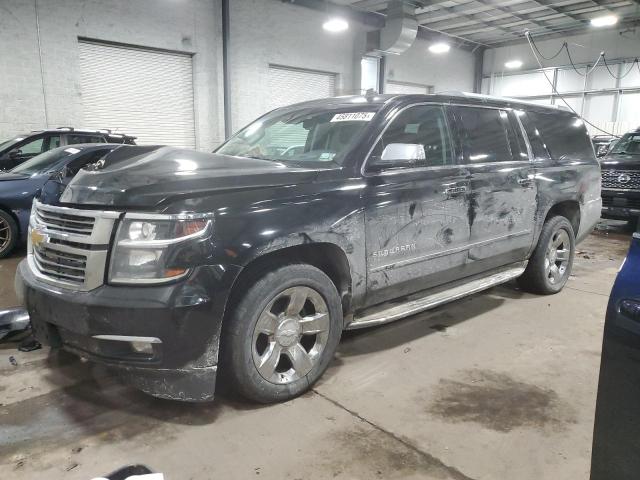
65,128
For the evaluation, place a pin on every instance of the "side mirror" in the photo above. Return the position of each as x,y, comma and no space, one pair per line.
602,150
15,154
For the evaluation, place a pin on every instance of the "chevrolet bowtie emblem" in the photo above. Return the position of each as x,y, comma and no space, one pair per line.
37,237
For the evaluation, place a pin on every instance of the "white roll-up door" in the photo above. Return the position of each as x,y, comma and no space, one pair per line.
290,85
397,88
145,93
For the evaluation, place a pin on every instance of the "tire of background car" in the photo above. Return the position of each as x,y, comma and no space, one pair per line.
550,265
8,234
282,334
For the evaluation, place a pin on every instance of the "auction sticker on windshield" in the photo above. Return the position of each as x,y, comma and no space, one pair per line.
353,117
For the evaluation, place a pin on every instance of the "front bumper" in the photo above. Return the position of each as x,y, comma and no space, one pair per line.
184,320
620,204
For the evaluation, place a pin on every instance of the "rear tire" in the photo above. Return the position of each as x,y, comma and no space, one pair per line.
282,334
550,265
8,234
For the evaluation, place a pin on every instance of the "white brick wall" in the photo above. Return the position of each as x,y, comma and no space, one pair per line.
190,25
263,32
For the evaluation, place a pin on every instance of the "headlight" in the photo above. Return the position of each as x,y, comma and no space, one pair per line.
145,247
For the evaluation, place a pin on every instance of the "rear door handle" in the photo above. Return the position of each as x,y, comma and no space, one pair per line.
455,190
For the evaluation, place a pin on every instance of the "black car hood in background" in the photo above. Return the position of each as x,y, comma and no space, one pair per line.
620,162
146,177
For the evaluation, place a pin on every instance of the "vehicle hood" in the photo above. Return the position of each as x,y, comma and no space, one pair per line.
16,187
620,162
137,177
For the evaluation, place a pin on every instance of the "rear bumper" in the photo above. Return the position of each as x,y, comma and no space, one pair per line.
180,325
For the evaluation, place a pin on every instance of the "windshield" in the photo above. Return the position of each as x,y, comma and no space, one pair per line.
45,162
8,143
629,144
301,135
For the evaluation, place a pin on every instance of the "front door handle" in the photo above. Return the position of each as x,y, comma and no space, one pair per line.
455,190
525,182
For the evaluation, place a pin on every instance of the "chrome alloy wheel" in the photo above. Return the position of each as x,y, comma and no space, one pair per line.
558,255
5,234
290,335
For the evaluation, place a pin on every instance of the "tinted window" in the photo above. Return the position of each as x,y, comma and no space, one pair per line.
564,135
518,144
535,140
423,125
629,144
483,134
71,139
54,141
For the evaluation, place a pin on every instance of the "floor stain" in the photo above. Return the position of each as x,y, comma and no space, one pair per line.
498,402
362,450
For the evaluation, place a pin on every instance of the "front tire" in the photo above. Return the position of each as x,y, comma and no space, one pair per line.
550,265
8,234
282,334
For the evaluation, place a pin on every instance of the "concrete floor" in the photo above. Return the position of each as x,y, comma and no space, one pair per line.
500,385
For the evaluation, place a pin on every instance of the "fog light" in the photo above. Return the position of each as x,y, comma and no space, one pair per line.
142,347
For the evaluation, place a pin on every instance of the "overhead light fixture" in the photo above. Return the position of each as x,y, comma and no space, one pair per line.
335,25
604,21
439,48
512,64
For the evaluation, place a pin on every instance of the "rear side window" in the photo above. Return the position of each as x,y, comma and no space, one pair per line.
535,139
564,135
483,134
73,139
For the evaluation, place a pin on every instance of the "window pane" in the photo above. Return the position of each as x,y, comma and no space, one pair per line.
483,135
420,125
54,142
564,135
71,139
32,148
535,140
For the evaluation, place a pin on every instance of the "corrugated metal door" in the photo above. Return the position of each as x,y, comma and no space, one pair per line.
144,93
397,88
289,85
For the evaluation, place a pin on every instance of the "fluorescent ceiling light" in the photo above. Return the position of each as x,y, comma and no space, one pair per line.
439,48
513,64
604,21
335,25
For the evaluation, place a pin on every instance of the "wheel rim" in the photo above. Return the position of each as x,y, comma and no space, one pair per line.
558,256
290,335
5,234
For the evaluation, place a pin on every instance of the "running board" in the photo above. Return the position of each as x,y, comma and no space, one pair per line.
419,302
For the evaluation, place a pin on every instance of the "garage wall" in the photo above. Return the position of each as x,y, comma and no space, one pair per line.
269,32
609,104
418,66
190,26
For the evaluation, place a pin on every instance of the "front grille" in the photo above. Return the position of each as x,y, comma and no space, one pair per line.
62,222
621,179
622,202
68,247
67,267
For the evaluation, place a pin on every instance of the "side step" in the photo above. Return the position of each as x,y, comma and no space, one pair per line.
421,301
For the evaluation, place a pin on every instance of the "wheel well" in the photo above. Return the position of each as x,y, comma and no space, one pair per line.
327,257
12,215
569,209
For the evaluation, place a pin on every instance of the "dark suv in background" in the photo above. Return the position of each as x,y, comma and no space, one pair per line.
621,179
23,147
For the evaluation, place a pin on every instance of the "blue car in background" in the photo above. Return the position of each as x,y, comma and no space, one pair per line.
48,172
616,435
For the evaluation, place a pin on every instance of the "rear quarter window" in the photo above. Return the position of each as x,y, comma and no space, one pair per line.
565,136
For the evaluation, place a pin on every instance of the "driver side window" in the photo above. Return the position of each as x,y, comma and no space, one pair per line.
417,137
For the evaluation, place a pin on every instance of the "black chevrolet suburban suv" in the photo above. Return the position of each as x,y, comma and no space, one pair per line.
621,179
23,147
169,264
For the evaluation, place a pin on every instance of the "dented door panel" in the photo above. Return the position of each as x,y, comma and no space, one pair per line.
417,230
